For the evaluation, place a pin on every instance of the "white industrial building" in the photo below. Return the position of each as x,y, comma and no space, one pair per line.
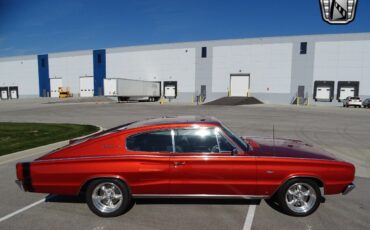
322,68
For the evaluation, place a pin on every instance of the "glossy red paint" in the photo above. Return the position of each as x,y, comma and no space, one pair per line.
258,172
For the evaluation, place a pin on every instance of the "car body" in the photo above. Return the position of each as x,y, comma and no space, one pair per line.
188,156
352,101
366,103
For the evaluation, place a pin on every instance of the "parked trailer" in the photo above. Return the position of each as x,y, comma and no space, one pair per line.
132,90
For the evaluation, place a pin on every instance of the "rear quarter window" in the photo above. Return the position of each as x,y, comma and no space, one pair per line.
155,141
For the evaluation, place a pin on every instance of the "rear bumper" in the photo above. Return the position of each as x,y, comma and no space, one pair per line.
20,184
348,189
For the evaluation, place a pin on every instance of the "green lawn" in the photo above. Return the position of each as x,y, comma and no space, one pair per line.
15,137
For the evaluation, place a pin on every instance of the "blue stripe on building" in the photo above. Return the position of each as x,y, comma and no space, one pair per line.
99,71
44,81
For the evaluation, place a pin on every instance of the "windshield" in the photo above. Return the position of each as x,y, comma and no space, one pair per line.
235,138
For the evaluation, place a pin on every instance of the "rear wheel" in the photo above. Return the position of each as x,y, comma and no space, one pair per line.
299,197
108,197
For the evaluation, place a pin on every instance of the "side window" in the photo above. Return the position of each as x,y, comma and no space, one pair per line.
156,141
200,140
224,144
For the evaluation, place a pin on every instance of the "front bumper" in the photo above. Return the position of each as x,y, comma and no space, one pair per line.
349,188
20,184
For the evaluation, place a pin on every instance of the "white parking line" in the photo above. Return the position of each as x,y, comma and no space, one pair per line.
249,218
22,210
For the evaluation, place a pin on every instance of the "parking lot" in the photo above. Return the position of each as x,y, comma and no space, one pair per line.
343,131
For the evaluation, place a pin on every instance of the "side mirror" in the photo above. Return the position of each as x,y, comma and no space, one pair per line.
234,152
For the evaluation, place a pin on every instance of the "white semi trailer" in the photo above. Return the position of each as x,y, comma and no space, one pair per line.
132,90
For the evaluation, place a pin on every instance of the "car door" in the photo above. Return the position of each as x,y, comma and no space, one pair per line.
148,153
203,164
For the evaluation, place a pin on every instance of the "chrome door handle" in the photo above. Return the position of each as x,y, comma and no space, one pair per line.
179,163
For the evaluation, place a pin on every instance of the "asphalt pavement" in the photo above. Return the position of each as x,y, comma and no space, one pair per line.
343,131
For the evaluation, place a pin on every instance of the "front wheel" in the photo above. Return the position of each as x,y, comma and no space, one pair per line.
299,197
108,197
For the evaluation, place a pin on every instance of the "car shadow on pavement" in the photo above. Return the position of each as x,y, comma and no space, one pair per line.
147,201
275,206
154,201
64,199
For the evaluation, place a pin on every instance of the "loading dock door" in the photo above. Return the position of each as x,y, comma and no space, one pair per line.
55,83
170,91
323,93
4,94
239,85
86,86
14,92
346,92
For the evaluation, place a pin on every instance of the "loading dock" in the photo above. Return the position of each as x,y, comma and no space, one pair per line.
55,83
87,86
347,89
4,93
323,91
13,91
239,85
170,89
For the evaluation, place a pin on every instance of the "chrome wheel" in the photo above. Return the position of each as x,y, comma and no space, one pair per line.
107,197
300,197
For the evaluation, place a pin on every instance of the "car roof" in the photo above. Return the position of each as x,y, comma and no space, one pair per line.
152,122
167,120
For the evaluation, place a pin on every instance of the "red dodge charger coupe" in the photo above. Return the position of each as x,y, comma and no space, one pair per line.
182,157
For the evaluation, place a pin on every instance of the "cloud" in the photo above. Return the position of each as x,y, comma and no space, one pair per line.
10,48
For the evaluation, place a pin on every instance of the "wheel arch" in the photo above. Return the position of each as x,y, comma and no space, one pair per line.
85,185
316,179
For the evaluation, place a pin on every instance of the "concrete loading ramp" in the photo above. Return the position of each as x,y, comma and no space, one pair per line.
235,101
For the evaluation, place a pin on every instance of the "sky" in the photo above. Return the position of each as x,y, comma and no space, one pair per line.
47,26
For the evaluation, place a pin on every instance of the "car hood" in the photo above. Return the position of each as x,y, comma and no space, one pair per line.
286,148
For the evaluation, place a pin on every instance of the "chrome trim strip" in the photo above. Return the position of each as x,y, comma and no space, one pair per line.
348,189
206,196
173,140
166,155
